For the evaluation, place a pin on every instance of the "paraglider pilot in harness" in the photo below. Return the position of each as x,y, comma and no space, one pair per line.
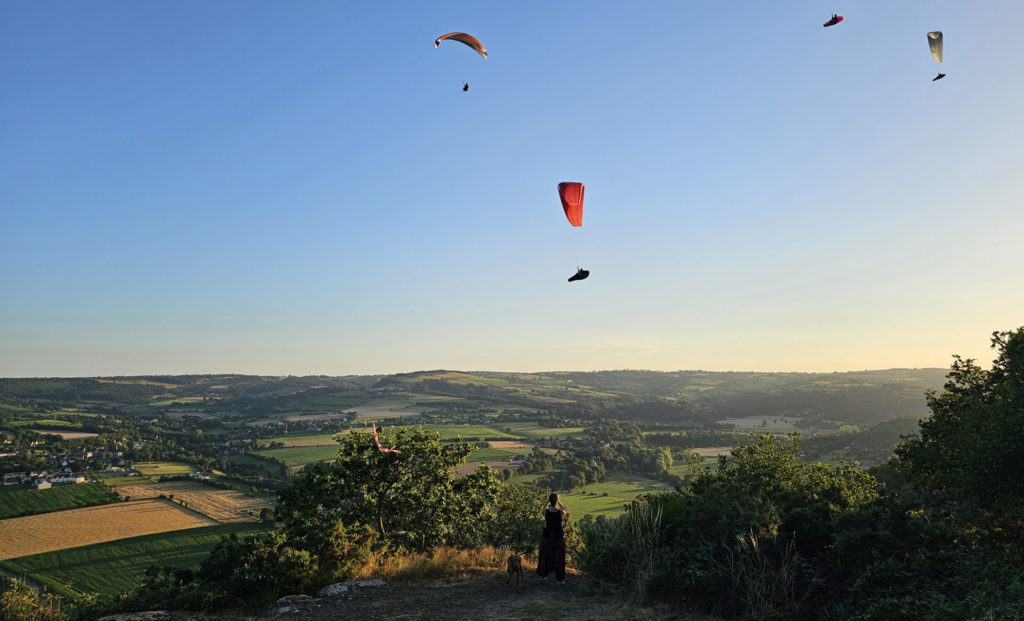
579,275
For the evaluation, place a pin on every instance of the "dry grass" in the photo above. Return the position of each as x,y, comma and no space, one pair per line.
223,505
510,445
35,534
713,451
444,564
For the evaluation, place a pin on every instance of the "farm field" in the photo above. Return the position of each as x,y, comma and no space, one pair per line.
223,505
762,423
316,439
470,467
35,534
255,464
66,435
56,425
490,454
23,500
119,479
116,567
378,412
451,432
163,468
621,489
301,455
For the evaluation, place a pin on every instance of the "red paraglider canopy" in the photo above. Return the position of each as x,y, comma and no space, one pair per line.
571,193
835,20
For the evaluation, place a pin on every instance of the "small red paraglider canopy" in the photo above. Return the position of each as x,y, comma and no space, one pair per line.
571,193
835,20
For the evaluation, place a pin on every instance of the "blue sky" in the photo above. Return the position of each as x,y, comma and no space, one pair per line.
303,188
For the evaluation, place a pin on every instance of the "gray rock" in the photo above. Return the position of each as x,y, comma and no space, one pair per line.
334,590
372,583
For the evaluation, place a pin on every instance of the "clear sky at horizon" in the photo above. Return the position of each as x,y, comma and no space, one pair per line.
303,188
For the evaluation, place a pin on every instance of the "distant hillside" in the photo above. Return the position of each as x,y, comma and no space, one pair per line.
683,398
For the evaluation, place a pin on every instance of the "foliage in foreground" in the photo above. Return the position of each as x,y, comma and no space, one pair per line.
20,602
770,537
355,517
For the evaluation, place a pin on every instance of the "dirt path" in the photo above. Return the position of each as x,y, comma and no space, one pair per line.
481,595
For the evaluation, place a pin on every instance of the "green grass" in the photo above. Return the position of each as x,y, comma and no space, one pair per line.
490,454
301,455
23,500
118,566
550,432
50,423
120,480
268,468
163,468
450,432
621,489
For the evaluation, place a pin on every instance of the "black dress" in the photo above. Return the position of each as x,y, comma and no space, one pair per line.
552,546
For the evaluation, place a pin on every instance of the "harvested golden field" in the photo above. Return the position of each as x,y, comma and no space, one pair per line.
510,445
66,435
713,451
223,505
34,534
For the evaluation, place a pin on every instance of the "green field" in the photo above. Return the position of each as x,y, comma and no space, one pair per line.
489,454
620,490
301,455
326,402
163,468
118,566
23,500
450,432
255,464
120,480
50,423
535,432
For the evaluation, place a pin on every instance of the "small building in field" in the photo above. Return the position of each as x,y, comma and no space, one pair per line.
41,484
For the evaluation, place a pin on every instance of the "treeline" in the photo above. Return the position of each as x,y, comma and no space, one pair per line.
771,536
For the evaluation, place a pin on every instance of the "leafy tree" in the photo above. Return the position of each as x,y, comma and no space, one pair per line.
969,456
411,499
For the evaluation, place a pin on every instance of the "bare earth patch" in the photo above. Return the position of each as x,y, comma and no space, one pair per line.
223,505
35,534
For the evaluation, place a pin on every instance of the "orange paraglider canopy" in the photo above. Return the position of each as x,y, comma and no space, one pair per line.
571,193
462,37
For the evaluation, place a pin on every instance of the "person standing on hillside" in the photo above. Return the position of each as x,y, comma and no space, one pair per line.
552,540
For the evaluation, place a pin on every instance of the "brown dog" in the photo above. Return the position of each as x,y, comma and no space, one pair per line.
515,571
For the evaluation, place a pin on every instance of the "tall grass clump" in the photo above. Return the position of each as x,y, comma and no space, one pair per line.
623,553
752,539
20,602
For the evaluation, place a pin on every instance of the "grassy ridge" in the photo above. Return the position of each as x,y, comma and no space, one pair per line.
118,566
23,500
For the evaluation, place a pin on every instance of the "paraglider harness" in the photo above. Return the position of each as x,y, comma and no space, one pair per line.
579,275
